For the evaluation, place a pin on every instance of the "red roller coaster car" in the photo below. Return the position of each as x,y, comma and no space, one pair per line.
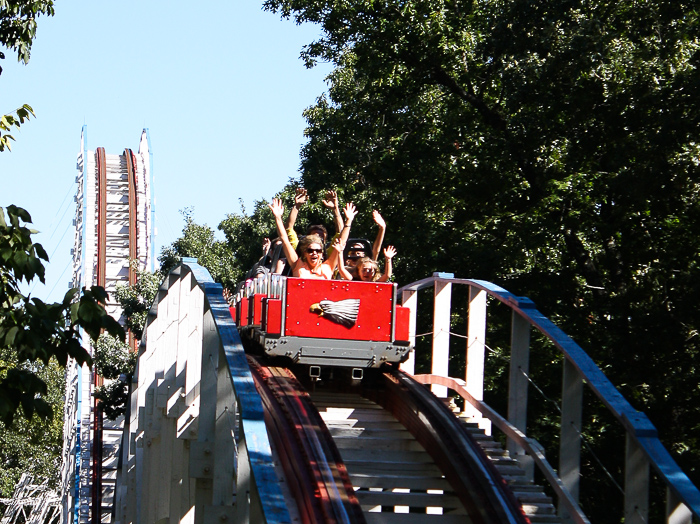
320,322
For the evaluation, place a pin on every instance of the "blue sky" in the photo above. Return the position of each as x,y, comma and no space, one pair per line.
221,89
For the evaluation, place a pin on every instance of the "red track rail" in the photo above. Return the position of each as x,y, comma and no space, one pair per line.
101,217
101,281
133,214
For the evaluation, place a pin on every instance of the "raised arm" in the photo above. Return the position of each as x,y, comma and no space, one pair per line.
377,246
300,198
278,210
350,213
389,253
339,246
331,202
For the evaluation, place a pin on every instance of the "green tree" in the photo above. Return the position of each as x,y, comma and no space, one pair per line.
34,333
36,338
17,31
115,360
34,446
199,241
549,146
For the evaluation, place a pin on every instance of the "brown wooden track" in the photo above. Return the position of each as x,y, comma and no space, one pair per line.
101,217
133,214
101,281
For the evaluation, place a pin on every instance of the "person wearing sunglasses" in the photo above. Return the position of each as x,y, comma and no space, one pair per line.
307,261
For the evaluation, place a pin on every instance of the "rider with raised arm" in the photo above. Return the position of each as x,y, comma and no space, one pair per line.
309,262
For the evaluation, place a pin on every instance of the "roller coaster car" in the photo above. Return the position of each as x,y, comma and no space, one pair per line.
320,322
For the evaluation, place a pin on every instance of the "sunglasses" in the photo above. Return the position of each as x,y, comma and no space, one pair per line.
312,250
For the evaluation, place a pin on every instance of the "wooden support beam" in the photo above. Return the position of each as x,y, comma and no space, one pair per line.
476,352
636,483
409,299
518,386
441,333
570,442
676,511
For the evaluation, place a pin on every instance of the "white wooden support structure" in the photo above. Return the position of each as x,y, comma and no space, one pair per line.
570,440
676,511
441,330
476,354
113,238
636,483
197,450
409,299
518,387
644,451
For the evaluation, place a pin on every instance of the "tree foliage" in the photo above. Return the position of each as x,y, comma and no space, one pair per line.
198,241
34,446
33,332
17,32
8,122
114,359
549,146
18,24
136,300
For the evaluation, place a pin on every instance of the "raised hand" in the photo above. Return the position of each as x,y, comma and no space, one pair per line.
338,245
350,212
277,207
389,252
300,197
331,200
378,219
266,245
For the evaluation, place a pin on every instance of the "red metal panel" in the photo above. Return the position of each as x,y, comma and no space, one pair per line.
243,312
272,316
403,315
373,320
256,309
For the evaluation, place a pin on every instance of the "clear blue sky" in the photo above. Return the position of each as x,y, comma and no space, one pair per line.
221,89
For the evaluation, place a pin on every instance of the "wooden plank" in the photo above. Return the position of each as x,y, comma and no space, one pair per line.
476,348
376,443
411,499
358,416
518,385
409,299
406,468
388,480
345,431
415,518
395,457
364,425
441,333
